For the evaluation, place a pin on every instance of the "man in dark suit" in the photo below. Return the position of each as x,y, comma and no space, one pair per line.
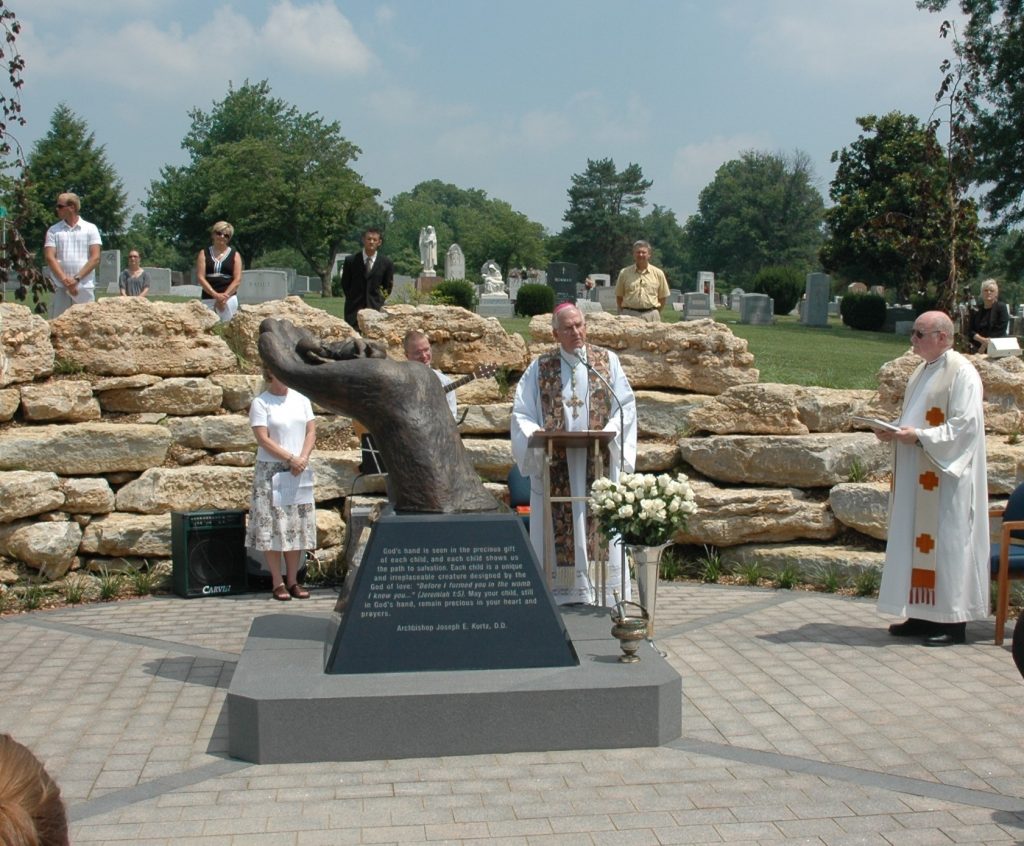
366,278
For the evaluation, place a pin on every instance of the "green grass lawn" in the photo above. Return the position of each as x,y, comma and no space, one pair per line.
786,352
833,357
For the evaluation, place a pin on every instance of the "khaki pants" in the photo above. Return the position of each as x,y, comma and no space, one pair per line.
652,315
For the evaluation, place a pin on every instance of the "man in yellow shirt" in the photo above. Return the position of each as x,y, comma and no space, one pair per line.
641,289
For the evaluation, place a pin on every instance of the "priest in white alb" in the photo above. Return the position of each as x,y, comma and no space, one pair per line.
937,556
574,387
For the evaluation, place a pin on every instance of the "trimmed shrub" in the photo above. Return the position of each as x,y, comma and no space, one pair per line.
457,292
924,302
784,285
863,311
535,299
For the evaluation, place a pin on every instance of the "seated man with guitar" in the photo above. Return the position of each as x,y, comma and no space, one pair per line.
417,348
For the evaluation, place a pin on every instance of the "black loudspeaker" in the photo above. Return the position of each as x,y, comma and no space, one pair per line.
208,549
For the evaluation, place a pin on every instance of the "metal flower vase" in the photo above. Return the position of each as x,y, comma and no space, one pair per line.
647,565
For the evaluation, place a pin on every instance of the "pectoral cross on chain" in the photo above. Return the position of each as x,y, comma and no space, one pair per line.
575,403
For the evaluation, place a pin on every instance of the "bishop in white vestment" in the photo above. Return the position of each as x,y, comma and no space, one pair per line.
937,555
571,388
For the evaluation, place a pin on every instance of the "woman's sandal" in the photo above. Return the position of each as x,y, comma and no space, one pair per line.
281,593
298,591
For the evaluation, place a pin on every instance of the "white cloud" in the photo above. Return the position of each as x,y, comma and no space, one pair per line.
838,40
315,39
694,165
314,36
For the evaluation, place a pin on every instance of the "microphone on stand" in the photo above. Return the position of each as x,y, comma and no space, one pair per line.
618,402
622,461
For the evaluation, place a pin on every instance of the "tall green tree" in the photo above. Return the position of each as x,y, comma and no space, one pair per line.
17,256
891,223
991,49
68,158
155,250
483,227
760,210
603,218
281,177
671,251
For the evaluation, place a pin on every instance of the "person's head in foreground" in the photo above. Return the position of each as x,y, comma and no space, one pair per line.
31,810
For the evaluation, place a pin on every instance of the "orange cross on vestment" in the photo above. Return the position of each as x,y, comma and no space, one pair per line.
925,543
928,480
935,416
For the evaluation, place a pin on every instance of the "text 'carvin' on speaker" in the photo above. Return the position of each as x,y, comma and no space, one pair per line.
208,549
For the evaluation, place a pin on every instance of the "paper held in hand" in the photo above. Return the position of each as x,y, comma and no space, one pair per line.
287,489
875,423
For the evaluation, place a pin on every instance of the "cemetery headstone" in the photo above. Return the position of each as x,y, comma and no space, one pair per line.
895,314
108,272
757,309
563,277
817,289
706,283
259,286
696,305
735,296
159,280
606,297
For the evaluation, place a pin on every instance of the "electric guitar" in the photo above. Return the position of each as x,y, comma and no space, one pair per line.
482,372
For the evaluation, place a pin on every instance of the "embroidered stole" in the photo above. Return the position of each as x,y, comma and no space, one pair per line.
549,377
924,551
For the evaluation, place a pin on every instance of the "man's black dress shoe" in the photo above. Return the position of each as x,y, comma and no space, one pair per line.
948,634
914,628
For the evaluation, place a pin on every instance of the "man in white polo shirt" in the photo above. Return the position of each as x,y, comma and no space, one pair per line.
72,252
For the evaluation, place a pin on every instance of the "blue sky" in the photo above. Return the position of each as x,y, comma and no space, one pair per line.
509,97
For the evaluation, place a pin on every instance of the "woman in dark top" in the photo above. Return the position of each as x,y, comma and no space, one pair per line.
219,271
990,319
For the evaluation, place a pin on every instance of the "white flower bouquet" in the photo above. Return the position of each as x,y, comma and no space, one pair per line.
641,508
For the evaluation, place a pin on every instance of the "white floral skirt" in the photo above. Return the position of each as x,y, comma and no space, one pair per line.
277,529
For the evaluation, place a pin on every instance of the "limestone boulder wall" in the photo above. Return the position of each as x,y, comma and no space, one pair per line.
50,547
1002,379
165,489
701,356
122,336
731,516
179,396
120,535
26,352
24,493
776,409
863,506
69,401
460,340
800,461
84,449
810,559
243,332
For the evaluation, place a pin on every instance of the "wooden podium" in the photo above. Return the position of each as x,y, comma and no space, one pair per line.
589,439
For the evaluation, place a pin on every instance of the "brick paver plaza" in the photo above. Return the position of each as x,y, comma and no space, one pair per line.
803,723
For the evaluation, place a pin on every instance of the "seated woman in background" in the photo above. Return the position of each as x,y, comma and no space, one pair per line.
219,272
31,810
134,281
991,319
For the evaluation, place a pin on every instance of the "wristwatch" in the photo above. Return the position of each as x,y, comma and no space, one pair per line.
78,278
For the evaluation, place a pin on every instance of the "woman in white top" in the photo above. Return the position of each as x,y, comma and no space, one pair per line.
282,422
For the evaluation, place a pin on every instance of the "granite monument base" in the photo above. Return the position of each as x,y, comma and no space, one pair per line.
283,708
495,305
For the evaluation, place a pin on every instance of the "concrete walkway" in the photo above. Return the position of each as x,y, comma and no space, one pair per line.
803,723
